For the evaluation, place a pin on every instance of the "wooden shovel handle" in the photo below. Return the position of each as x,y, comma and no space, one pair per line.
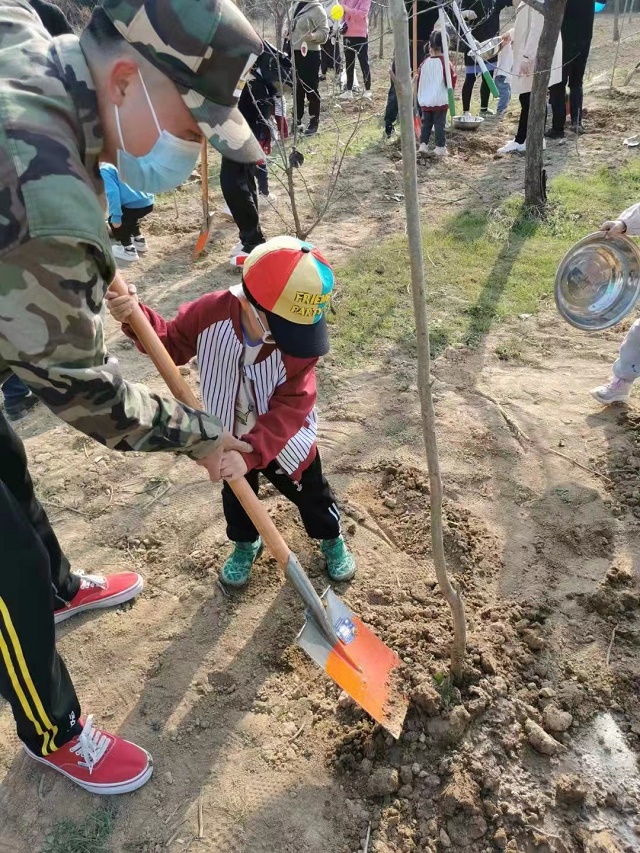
156,351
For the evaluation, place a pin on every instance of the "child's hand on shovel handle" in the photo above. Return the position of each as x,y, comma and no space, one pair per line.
214,461
121,307
232,466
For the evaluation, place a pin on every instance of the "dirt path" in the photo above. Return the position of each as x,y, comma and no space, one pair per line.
240,724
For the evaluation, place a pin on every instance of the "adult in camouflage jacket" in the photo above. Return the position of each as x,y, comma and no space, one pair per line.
146,78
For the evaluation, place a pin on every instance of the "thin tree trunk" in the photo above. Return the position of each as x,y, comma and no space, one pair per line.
381,45
534,188
404,92
616,20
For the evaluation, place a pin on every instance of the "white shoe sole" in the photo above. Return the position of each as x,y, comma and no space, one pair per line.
112,601
621,398
142,250
104,790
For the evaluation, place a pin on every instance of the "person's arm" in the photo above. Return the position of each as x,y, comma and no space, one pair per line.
628,222
320,32
454,76
180,335
289,408
112,191
51,336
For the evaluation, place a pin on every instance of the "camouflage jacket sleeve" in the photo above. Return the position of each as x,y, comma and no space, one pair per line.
51,336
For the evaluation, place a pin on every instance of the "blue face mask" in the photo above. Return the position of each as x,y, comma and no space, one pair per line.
166,166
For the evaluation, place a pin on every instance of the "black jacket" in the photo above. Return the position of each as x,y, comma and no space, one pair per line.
487,24
577,27
53,18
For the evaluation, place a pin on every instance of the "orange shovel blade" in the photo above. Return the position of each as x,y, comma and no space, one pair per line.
201,242
362,665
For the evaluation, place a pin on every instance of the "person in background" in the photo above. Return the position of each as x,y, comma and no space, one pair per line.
18,399
356,44
626,369
391,109
243,185
308,30
126,207
330,58
486,15
504,69
577,34
52,17
526,37
431,86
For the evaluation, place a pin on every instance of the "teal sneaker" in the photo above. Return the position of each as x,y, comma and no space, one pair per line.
340,563
237,570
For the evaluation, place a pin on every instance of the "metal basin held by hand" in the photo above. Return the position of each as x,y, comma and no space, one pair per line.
598,281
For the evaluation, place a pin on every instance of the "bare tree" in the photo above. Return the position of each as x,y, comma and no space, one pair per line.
404,92
535,195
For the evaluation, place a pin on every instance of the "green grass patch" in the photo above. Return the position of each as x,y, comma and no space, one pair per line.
481,266
89,836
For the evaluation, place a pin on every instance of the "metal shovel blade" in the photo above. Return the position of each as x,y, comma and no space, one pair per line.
359,662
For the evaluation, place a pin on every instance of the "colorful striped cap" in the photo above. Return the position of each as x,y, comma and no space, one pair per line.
292,283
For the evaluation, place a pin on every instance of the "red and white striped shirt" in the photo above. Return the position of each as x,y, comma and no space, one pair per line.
284,387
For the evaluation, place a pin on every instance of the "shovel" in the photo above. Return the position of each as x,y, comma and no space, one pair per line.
332,635
206,216
473,46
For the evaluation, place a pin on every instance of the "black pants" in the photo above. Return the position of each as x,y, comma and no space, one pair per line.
573,77
314,499
432,119
34,578
307,81
330,57
521,135
391,110
467,88
130,225
357,47
238,185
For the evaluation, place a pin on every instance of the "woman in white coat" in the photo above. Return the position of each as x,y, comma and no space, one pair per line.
528,30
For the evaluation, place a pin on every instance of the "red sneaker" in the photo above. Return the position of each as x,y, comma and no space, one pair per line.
100,762
98,592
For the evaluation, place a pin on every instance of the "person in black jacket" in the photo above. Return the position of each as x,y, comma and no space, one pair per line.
577,33
52,17
243,184
486,25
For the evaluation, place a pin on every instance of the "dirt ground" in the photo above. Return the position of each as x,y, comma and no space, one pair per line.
543,536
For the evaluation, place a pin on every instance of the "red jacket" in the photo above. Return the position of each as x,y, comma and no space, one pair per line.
284,387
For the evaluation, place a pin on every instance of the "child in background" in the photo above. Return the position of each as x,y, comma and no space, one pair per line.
126,208
504,68
257,346
432,95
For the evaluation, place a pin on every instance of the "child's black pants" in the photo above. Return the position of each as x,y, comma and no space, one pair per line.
315,501
130,225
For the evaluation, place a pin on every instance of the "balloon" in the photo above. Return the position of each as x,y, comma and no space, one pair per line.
337,12
600,6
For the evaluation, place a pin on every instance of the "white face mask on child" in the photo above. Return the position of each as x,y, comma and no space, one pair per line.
267,337
165,167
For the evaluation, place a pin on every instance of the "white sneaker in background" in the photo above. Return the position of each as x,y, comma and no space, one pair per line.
441,152
368,94
124,253
141,244
513,147
616,391
346,96
424,148
266,200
